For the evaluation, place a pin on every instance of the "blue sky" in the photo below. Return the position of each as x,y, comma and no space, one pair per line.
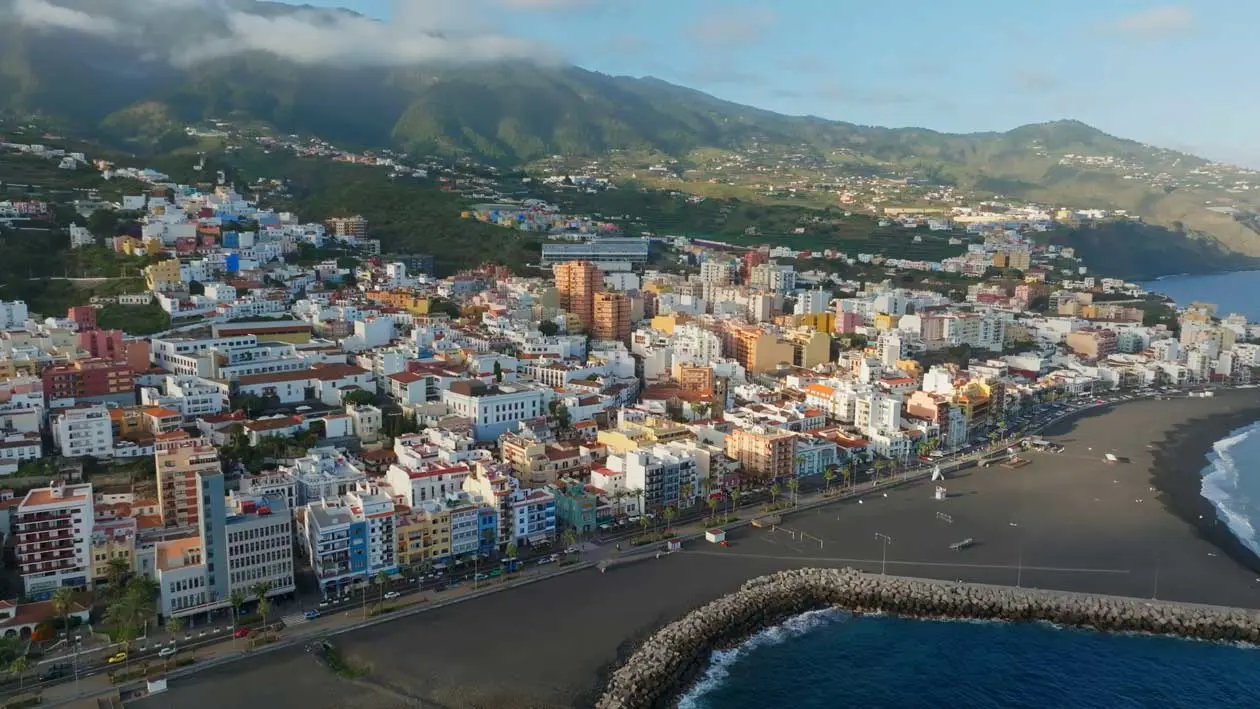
1177,75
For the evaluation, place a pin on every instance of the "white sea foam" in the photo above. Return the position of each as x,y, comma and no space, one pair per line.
1233,487
720,663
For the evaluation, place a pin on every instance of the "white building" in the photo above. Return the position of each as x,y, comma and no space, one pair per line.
82,430
495,409
13,314
52,528
323,473
662,476
189,395
80,237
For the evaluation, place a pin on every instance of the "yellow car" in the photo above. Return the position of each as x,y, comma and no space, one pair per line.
120,657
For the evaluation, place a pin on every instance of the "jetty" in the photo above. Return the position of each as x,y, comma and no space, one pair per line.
662,666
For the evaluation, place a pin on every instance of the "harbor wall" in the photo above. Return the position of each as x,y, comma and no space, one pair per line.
654,674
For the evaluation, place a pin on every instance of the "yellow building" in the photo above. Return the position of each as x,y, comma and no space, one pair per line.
112,539
162,275
405,299
153,246
633,435
667,323
886,321
822,322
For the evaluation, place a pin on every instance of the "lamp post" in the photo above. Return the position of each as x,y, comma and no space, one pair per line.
883,563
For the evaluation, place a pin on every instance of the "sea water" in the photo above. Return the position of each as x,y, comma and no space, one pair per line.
830,659
1232,484
1231,292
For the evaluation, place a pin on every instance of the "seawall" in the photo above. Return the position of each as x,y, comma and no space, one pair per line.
657,671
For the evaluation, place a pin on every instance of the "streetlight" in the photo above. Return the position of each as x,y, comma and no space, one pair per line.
883,563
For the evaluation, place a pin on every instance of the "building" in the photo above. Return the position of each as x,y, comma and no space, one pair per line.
178,465
13,314
96,380
85,429
1092,343
494,408
576,507
762,453
577,283
608,249
52,530
350,539
323,473
611,317
347,228
661,476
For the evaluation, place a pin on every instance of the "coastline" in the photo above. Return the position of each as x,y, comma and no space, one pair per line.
556,643
1179,462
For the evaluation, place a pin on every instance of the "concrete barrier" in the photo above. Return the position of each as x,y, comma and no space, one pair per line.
662,666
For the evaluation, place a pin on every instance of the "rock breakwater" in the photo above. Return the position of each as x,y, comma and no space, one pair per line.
655,673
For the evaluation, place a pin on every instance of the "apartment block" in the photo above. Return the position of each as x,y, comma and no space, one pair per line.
53,543
763,454
577,282
178,465
91,380
611,317
82,430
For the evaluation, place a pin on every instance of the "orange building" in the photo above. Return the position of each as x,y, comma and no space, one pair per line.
612,317
178,464
762,454
577,282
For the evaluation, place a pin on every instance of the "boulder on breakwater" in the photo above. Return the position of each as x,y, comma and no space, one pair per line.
655,673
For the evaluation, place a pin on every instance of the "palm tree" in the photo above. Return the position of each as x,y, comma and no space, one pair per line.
797,463
569,538
62,602
117,570
671,514
382,580
174,625
236,600
794,485
18,667
712,504
616,498
774,492
846,472
511,550
260,590
735,493
645,522
685,491
829,474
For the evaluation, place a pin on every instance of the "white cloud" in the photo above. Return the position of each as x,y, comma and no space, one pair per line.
42,14
421,30
1156,22
735,27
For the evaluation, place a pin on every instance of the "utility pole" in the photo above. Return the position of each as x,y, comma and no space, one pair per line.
883,563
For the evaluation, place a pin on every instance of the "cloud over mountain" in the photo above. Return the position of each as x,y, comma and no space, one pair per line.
190,31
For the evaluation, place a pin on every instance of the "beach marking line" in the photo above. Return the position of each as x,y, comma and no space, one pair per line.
955,564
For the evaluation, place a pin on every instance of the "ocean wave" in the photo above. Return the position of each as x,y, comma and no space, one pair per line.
721,661
1234,496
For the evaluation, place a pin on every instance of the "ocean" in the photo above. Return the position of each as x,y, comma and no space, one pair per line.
1231,484
829,659
1232,292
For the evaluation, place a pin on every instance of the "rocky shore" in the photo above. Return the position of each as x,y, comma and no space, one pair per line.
654,674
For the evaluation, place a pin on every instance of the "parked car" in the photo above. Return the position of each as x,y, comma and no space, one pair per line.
241,633
117,658
545,560
392,595
168,651
311,614
572,550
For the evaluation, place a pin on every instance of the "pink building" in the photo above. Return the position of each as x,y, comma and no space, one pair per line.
110,345
84,316
847,321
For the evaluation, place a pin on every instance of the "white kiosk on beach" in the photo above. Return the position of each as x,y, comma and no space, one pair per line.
940,492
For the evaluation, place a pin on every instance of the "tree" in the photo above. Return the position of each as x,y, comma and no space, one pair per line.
570,538
734,495
498,371
774,492
645,522
671,514
18,667
174,625
237,601
548,328
794,485
62,603
196,288
117,572
511,550
382,580
829,474
712,503
685,492
359,397
562,416
847,473
260,590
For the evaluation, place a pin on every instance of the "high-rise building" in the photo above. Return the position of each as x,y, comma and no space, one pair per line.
763,454
53,528
577,282
178,465
347,227
612,317
91,380
84,429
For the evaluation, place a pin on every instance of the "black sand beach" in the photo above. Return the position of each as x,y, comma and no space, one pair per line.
1068,520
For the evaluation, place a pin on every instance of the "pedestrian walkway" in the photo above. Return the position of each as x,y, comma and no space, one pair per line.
294,619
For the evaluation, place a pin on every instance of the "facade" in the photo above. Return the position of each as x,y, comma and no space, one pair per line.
494,409
97,380
323,473
350,539
608,249
762,453
83,430
611,317
178,465
663,476
53,542
577,283
576,507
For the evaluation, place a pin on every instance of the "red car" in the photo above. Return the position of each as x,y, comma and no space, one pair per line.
241,632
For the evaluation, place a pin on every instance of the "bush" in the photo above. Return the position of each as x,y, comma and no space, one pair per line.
183,661
122,676
30,700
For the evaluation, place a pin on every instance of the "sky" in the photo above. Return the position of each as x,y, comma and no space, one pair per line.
1177,75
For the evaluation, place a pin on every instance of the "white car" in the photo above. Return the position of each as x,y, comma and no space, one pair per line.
168,651
392,595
